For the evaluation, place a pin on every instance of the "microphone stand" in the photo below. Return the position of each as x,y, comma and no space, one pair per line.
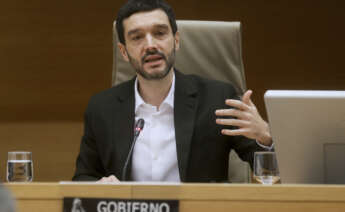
139,126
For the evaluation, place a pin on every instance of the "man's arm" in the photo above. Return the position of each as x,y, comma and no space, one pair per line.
86,169
88,164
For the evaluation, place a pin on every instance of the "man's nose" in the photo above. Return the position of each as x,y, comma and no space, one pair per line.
150,42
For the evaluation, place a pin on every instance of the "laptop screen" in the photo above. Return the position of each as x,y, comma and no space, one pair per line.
308,129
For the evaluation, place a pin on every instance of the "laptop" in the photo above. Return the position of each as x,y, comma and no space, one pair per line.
308,130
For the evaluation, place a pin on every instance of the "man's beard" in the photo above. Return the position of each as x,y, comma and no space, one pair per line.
169,61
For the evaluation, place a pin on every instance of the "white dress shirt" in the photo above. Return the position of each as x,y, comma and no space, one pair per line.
154,155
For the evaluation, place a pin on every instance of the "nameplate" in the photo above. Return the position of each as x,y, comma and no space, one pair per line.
74,204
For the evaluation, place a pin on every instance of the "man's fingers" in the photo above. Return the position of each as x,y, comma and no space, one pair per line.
237,104
232,122
102,180
234,113
228,112
234,132
246,97
110,179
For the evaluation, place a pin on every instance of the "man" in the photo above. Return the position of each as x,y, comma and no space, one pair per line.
189,130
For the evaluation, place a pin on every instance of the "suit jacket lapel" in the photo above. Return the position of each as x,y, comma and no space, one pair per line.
185,105
123,125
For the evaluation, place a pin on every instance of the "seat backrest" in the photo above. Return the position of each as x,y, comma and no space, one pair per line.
210,49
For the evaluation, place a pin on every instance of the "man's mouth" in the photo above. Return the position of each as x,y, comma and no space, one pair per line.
153,58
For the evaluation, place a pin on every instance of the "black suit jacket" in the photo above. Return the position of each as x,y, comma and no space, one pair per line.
202,151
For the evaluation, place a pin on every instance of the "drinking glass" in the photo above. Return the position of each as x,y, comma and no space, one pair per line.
19,167
266,168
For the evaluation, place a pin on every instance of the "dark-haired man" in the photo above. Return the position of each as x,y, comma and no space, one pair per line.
183,140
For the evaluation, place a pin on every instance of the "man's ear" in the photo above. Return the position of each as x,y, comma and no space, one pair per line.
177,40
123,51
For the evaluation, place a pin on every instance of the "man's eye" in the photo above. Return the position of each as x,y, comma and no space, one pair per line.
160,33
137,37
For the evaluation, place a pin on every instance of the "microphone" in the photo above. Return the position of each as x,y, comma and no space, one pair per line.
139,126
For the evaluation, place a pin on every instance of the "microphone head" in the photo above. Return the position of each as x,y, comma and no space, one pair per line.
139,126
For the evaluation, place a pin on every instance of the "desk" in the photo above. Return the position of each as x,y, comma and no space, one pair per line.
37,197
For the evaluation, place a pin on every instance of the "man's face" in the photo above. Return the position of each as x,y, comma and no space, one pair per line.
150,44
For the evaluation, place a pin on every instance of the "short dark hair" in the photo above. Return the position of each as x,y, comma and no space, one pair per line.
134,6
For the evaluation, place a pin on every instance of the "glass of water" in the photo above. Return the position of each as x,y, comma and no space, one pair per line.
19,167
266,168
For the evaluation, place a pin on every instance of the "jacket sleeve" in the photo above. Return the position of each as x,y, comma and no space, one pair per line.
88,165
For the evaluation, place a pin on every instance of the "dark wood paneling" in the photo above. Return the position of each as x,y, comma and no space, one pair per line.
55,55
54,146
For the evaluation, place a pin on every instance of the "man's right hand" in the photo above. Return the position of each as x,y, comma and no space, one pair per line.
110,179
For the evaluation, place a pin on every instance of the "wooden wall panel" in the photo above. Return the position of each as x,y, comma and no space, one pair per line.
55,54
54,146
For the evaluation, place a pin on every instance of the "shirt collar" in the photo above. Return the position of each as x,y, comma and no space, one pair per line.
169,99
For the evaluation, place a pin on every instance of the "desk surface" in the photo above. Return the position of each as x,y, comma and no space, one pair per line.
193,197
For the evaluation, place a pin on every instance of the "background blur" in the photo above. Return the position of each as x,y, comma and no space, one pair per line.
55,54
